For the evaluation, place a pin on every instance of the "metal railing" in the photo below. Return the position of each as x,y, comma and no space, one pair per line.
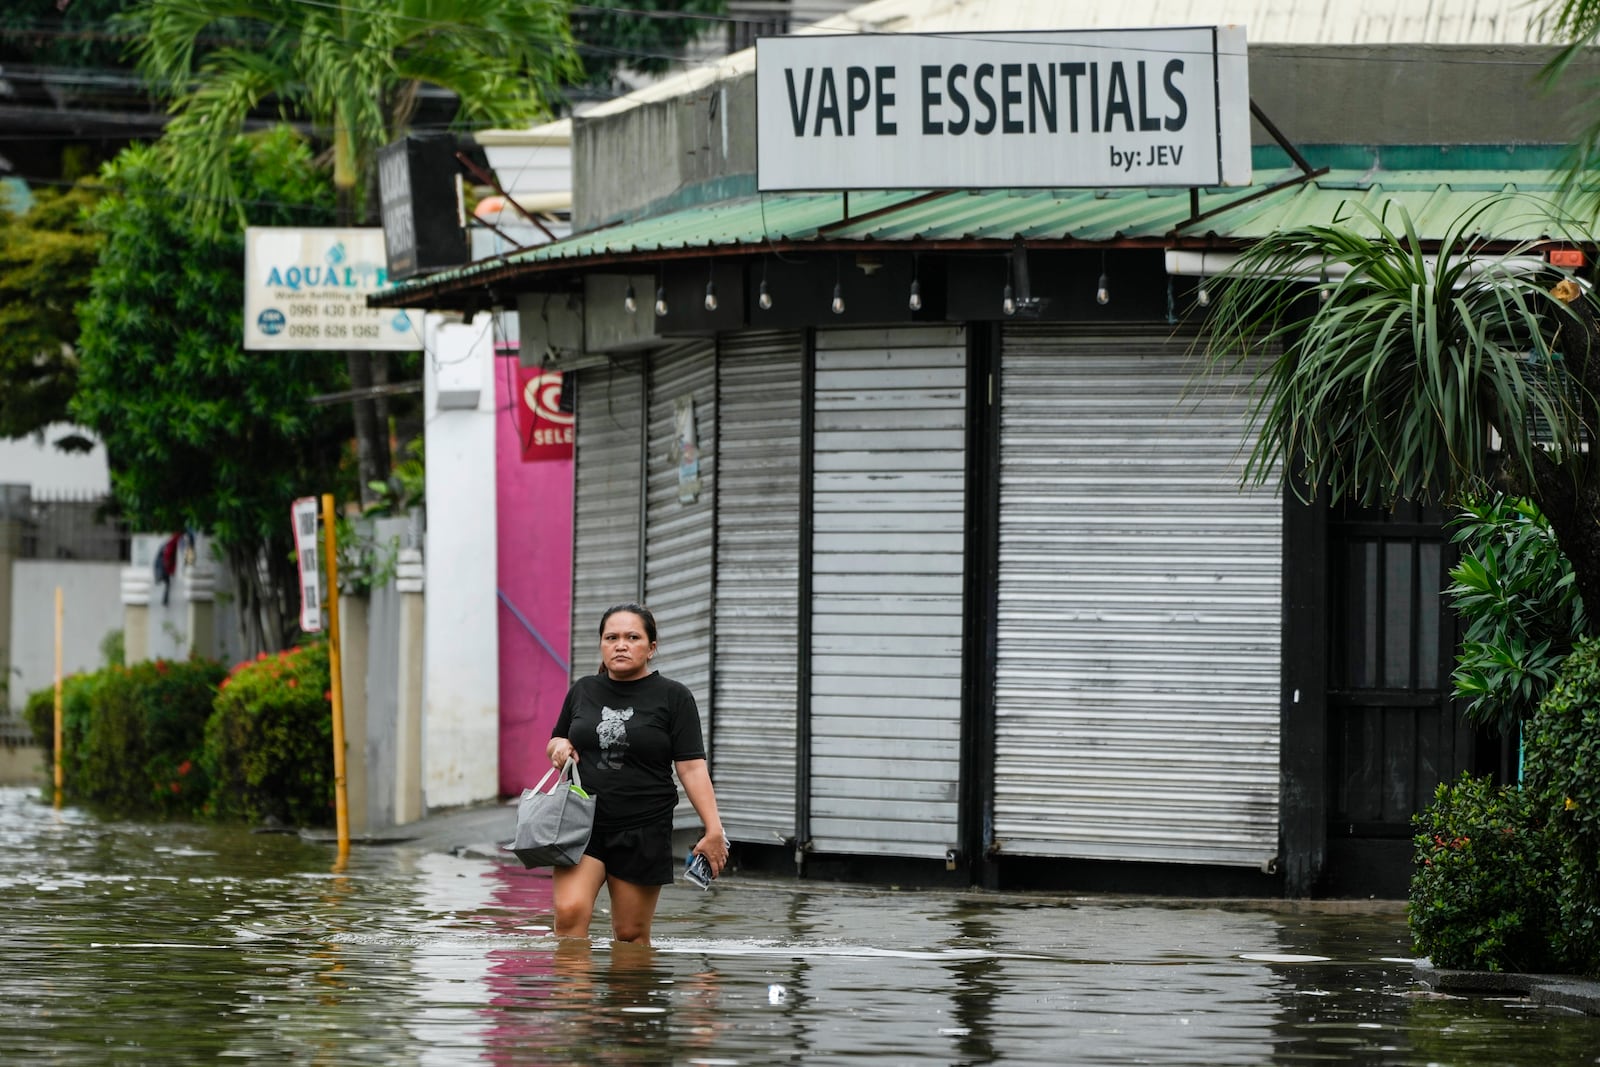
66,525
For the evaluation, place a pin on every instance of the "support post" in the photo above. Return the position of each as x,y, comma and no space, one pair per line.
341,801
408,806
61,612
10,550
136,583
200,591
355,635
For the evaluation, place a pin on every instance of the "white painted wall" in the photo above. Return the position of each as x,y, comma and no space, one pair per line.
91,592
461,670
168,633
35,461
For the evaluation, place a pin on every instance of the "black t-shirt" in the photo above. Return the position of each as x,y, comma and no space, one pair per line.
628,735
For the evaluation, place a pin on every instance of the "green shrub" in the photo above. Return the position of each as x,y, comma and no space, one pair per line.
39,712
131,735
1515,593
1563,767
113,651
178,700
77,712
1483,896
269,745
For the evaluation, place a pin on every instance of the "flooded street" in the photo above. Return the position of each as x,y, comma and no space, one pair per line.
134,943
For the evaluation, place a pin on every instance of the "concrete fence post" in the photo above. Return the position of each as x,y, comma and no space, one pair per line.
354,643
136,583
408,742
200,590
10,550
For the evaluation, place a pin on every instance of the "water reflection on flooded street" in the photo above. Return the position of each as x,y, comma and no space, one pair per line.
185,944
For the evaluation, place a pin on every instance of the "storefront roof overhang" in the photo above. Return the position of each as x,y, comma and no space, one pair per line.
1521,208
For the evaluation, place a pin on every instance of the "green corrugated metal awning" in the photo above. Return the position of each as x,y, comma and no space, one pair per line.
1435,199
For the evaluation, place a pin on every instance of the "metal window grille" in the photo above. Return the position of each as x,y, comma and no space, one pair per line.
1548,374
69,525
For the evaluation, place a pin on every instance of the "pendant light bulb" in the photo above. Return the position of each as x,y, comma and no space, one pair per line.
711,296
1202,295
661,302
765,299
1102,292
914,302
1008,300
838,299
629,301
1323,291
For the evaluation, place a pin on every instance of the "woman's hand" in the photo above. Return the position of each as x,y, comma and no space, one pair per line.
560,750
714,847
696,781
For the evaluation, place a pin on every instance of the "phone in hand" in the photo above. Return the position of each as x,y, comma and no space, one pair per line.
697,869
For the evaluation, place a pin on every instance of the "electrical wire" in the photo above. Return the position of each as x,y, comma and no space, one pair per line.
420,23
1025,38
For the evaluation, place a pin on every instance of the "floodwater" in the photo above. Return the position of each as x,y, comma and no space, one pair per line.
132,943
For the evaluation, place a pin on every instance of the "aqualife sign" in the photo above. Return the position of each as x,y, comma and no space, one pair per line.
308,289
1043,110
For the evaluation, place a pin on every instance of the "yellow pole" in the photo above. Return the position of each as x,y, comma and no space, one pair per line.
341,801
61,612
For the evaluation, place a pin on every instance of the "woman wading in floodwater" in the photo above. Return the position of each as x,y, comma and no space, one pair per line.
628,727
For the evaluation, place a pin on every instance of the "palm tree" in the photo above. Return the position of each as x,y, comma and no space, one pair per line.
1578,23
352,70
1393,374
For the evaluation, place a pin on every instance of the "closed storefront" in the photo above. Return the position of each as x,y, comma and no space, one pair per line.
608,454
680,512
1139,614
888,498
680,519
760,383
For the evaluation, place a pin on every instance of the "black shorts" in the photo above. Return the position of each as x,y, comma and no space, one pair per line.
641,855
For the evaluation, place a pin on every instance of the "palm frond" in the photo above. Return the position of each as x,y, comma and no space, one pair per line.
205,122
1393,385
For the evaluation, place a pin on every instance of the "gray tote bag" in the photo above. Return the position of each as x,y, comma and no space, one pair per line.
553,827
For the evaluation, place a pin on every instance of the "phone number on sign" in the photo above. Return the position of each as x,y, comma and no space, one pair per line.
331,311
334,329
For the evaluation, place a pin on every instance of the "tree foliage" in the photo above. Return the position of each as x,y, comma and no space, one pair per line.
199,432
647,36
1577,22
1514,590
1407,375
52,33
46,252
349,68
351,71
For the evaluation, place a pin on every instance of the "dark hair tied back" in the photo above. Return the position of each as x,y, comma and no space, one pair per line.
636,609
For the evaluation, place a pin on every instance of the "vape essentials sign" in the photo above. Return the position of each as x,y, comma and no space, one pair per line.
1090,109
308,289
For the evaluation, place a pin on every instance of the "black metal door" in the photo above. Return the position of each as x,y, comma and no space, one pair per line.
1393,732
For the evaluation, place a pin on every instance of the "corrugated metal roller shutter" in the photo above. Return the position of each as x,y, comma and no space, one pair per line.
760,398
1137,689
608,445
680,519
888,553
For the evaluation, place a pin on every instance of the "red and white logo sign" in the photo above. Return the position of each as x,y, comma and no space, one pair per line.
545,429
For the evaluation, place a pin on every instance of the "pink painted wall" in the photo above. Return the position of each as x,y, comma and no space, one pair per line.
534,524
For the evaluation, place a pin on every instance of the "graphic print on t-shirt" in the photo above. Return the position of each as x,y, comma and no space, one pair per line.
613,735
